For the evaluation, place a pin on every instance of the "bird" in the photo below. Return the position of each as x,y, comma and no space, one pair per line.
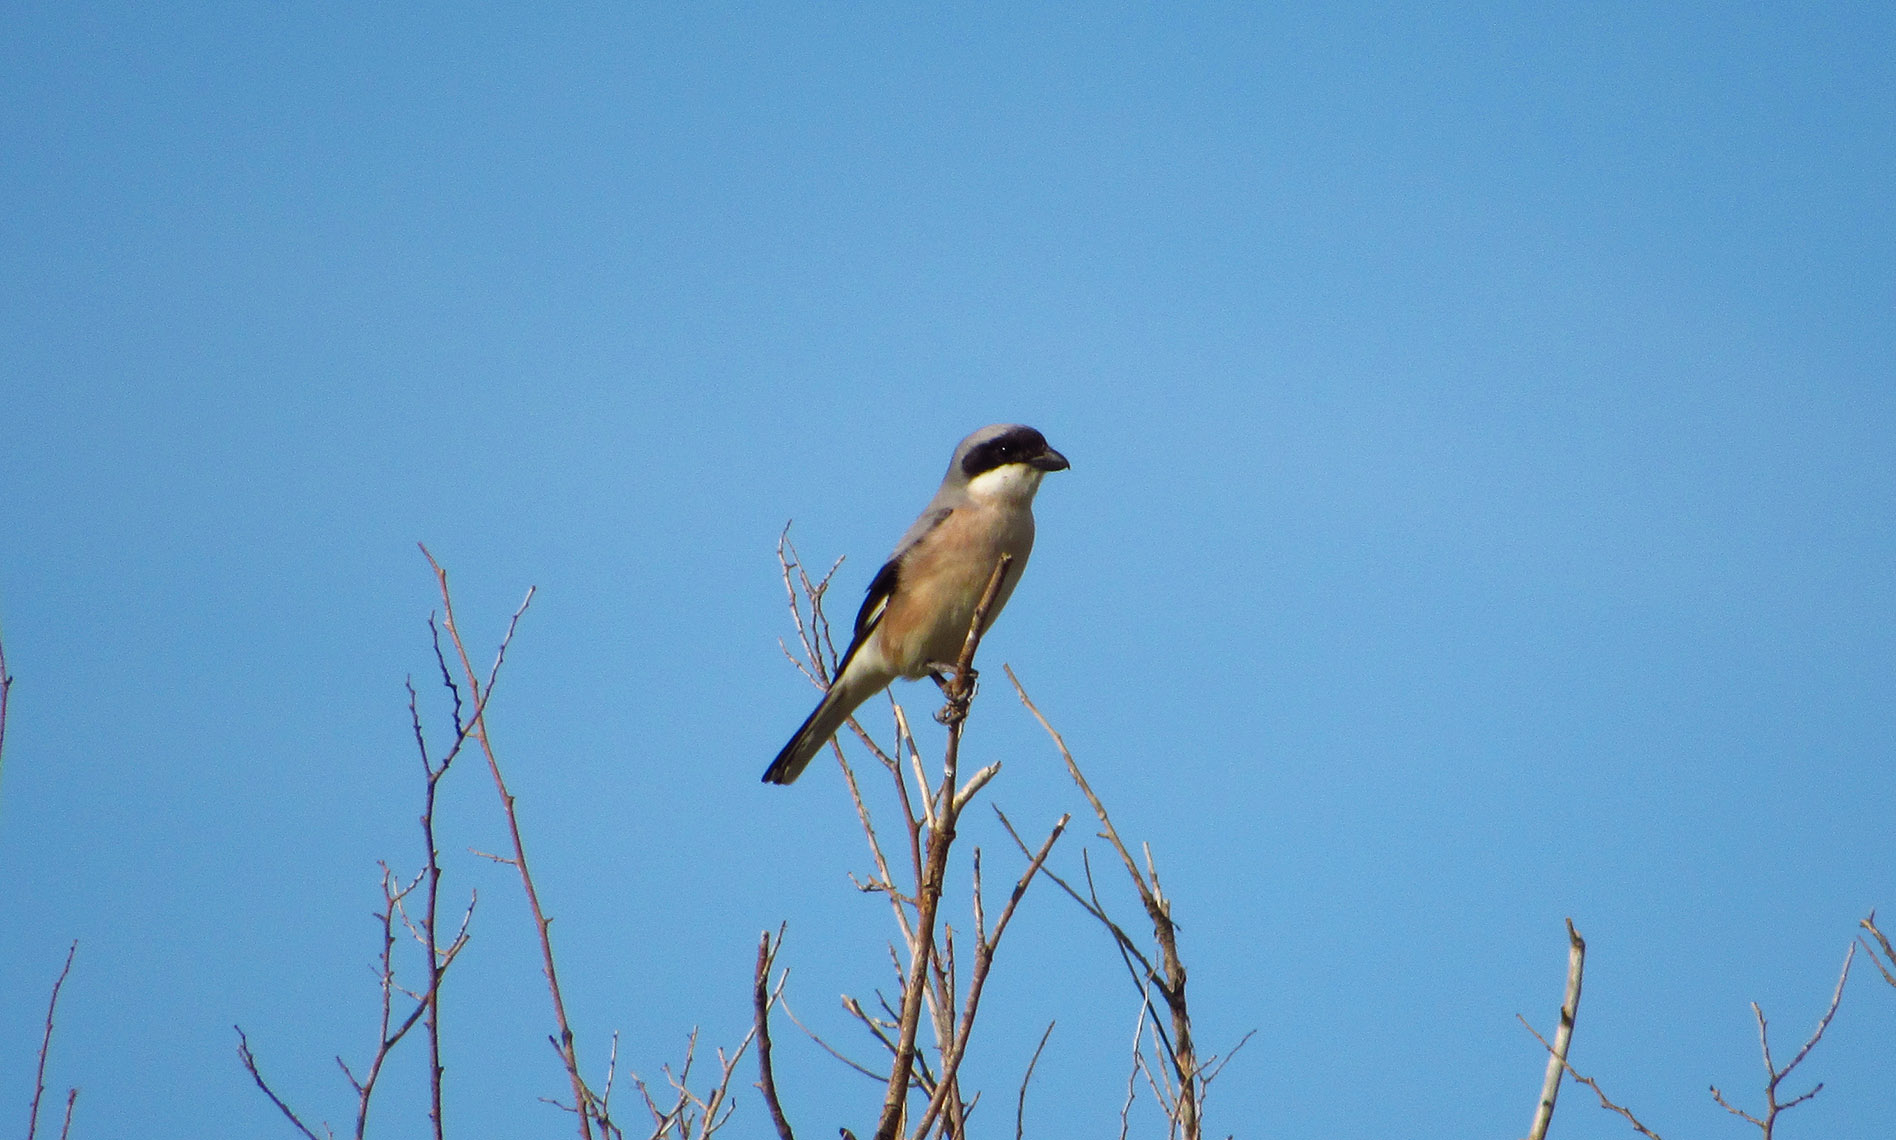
920,604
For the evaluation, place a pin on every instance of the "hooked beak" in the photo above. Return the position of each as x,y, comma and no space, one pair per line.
1049,460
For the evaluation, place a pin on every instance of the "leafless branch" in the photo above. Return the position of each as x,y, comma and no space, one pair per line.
390,1034
477,729
1886,963
1026,1078
6,689
1138,1063
52,1007
250,1066
762,999
813,632
65,1128
849,1003
1774,1076
983,963
1185,1075
1563,1036
691,1115
1590,1083
46,1042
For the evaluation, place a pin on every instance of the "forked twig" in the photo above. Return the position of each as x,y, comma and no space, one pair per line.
52,1006
985,947
762,1000
1774,1076
1590,1083
583,1097
1886,964
1170,978
691,1116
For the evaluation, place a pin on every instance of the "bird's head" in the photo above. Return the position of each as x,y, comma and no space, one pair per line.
1004,460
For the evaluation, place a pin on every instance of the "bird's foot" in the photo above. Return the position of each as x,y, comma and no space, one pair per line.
958,688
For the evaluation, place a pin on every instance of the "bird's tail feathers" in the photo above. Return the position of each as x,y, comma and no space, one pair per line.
830,715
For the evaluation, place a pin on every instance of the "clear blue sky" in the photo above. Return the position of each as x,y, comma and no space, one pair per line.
1484,464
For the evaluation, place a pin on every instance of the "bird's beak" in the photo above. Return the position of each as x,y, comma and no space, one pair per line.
1049,460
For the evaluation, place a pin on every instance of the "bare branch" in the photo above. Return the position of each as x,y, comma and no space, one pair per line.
1887,962
1138,1062
983,963
250,1066
1563,1036
477,730
1774,1076
52,1006
1180,1054
826,1046
762,1000
1592,1084
1020,1104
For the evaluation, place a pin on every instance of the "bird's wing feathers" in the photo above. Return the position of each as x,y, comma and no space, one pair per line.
881,589
883,586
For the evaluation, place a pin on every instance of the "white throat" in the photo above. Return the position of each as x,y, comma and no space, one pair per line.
1009,483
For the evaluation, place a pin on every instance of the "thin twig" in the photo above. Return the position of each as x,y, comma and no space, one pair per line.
1171,982
761,1000
1132,1078
827,1047
1020,1103
1889,952
1590,1083
983,963
250,1066
6,688
52,1006
72,1098
477,728
1563,1036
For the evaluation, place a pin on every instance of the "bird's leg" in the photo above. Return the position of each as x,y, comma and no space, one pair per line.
943,674
958,687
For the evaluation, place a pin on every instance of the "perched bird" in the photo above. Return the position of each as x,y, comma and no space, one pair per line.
922,601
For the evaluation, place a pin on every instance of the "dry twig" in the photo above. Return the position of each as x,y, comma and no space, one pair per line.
1774,1076
762,1000
250,1066
1185,1077
392,1030
52,1005
1886,963
690,1115
1020,1102
476,728
1590,1083
6,690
